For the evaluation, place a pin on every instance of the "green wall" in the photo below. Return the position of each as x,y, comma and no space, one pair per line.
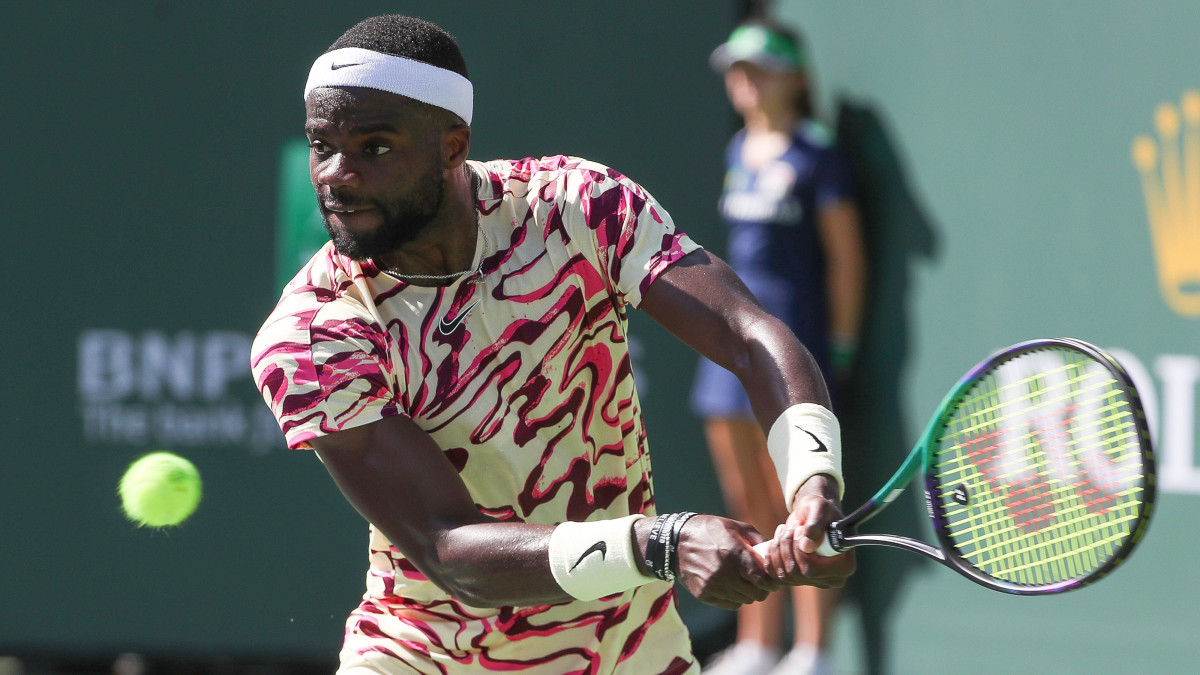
994,143
993,146
144,187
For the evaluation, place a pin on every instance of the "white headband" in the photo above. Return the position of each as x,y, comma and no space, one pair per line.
355,67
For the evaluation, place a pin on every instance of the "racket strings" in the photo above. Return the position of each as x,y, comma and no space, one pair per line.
1039,471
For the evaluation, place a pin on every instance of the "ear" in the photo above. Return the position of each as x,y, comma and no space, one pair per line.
456,144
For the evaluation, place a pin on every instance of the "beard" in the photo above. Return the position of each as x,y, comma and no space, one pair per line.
403,219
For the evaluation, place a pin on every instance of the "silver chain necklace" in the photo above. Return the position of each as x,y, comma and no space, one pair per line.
478,271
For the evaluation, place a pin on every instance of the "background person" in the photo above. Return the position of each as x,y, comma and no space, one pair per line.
795,239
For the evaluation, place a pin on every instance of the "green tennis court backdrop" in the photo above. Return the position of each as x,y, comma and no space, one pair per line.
1025,170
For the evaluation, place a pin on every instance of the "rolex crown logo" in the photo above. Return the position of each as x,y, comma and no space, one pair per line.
1170,170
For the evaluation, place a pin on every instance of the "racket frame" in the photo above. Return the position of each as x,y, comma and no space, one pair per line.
842,533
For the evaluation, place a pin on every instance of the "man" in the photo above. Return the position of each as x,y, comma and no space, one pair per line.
457,359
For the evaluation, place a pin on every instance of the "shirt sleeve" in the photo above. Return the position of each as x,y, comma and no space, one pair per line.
323,370
635,238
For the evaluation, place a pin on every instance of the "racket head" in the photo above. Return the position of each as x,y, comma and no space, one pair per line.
1039,472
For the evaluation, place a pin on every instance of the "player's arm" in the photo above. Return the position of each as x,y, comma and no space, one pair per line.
397,477
704,303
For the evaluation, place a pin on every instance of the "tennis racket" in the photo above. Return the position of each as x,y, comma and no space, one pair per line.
1039,474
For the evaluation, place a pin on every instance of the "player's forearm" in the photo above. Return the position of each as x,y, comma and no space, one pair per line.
790,400
476,560
777,371
495,564
398,480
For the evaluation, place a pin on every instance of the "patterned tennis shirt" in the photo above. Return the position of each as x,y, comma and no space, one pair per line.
523,378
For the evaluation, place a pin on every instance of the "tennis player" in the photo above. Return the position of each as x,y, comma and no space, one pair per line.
457,357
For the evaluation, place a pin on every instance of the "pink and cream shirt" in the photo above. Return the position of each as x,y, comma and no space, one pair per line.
522,376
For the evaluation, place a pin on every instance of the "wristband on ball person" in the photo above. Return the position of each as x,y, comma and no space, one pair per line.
593,559
805,441
842,349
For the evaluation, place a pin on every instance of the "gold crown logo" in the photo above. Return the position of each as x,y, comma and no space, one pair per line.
1170,170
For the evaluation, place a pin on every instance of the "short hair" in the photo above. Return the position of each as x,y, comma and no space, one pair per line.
405,36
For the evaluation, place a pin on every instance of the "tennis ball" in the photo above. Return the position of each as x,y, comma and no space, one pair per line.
160,489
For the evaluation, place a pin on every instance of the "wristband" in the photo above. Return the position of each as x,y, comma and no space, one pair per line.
663,569
662,546
655,545
594,559
672,564
803,442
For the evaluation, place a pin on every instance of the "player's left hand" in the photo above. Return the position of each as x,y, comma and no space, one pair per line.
792,556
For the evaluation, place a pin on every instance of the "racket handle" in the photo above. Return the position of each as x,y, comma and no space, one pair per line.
825,549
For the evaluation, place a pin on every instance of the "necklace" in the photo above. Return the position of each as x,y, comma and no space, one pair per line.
478,271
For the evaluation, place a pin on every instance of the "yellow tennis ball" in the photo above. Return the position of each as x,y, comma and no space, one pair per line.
160,489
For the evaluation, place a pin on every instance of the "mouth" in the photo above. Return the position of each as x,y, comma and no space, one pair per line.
358,219
347,215
344,209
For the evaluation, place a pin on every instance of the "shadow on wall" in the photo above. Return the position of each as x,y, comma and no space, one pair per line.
897,235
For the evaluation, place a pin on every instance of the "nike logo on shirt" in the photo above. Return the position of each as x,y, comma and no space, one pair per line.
446,326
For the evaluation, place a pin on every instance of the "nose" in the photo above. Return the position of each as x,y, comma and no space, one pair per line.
336,170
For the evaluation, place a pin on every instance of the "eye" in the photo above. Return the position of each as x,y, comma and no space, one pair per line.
377,149
318,146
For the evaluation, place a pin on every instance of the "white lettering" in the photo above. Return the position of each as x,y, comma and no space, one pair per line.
1144,385
171,389
199,425
110,423
167,365
753,207
1179,374
105,366
226,358
1172,432
1017,413
1053,414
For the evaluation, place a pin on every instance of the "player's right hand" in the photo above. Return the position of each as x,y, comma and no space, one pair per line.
791,555
718,565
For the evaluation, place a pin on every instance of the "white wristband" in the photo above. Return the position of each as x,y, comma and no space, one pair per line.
805,441
594,559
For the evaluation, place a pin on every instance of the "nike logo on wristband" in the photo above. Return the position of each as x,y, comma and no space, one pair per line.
601,546
820,446
337,66
447,326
